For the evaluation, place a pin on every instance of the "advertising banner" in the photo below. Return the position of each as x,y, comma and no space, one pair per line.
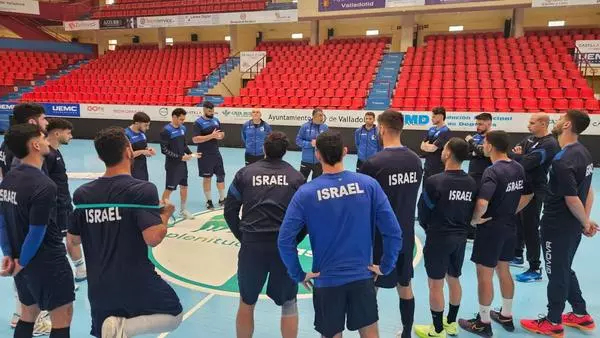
61,109
120,23
341,5
561,3
590,50
235,18
81,25
20,6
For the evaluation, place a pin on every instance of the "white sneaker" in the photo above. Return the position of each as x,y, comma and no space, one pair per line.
186,214
43,325
80,273
14,320
113,327
76,287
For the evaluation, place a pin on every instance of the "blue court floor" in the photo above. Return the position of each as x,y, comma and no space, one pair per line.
199,259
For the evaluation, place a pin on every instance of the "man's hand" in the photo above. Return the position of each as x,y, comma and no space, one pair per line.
186,157
167,209
308,284
468,138
313,143
518,150
480,220
591,229
220,135
17,268
7,267
150,152
376,270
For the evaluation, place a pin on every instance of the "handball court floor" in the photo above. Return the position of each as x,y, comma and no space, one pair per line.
204,276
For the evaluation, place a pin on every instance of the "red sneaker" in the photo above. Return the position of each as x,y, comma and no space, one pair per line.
585,323
544,327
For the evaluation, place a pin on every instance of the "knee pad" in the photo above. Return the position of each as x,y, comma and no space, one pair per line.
289,308
220,178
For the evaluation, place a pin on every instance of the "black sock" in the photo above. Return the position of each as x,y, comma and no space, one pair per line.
452,313
60,333
23,330
407,314
437,320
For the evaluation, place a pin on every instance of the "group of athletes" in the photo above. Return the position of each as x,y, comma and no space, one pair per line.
360,225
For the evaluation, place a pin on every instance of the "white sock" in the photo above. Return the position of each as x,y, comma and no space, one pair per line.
151,324
484,313
183,207
506,307
78,262
221,194
208,195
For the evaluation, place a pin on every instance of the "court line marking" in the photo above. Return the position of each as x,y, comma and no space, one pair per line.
191,311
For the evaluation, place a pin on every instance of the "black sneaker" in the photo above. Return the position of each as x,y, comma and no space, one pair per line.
222,203
506,322
476,326
209,205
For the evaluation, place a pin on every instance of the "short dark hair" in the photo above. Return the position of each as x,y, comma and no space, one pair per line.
316,110
110,144
208,105
484,117
19,135
439,111
499,140
331,147
580,120
459,149
178,112
25,111
141,117
276,144
60,124
370,113
391,119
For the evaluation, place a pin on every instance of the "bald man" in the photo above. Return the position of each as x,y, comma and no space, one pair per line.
535,153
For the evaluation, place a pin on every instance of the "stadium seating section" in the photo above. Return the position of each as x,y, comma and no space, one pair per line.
486,72
335,75
134,8
22,67
137,75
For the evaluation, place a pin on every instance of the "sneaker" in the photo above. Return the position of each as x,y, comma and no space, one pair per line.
186,214
113,327
14,320
209,205
222,203
425,331
544,327
43,325
476,326
517,262
80,273
585,323
76,287
529,276
450,328
506,322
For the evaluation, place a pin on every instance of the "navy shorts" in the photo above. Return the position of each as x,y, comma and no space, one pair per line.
63,218
493,243
49,285
256,261
249,159
211,164
403,271
353,304
444,255
177,175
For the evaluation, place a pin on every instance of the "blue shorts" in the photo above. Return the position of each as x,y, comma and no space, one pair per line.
444,255
211,164
494,242
49,285
177,175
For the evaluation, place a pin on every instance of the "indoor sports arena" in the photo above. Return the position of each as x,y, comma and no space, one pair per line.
305,168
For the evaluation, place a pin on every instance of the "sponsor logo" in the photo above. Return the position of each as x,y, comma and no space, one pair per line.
65,110
7,106
243,16
163,111
95,109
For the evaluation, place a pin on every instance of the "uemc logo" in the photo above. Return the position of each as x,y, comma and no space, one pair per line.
62,109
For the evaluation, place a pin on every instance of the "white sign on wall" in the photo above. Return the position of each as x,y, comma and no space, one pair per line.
562,3
250,59
213,19
20,6
590,50
81,25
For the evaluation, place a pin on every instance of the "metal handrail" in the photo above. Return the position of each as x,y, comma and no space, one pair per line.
262,61
587,66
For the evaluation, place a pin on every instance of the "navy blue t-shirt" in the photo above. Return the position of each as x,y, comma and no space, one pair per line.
173,143
205,126
138,142
502,185
28,197
399,172
438,137
6,158
120,275
536,158
570,175
57,171
447,203
478,162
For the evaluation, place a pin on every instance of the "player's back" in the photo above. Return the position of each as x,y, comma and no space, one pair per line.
508,181
399,172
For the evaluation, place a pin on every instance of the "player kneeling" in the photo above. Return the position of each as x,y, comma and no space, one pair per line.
115,218
445,210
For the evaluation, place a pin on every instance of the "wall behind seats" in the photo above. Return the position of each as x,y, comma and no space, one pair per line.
576,16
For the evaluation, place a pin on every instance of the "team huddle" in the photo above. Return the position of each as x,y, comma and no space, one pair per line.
360,224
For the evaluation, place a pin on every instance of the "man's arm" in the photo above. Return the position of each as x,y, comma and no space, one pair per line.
4,239
427,203
152,222
357,138
292,225
164,146
137,153
198,138
523,201
475,148
42,203
387,224
488,187
243,132
301,141
233,204
589,202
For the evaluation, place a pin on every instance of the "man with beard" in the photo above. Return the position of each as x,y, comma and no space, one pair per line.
207,133
307,140
136,133
434,141
566,217
366,139
254,133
